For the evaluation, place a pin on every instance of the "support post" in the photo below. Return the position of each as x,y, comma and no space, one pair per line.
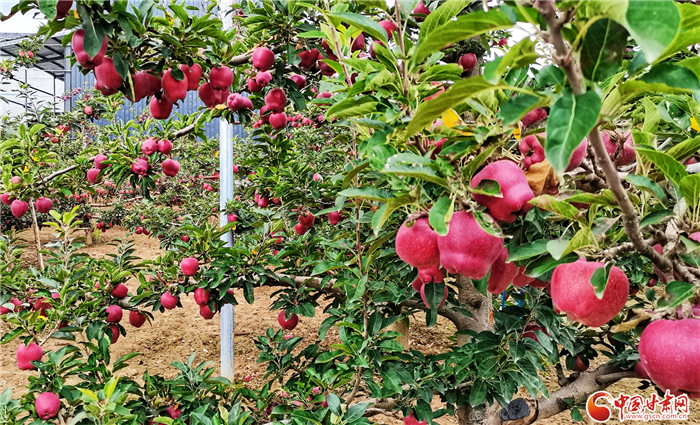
225,195
67,78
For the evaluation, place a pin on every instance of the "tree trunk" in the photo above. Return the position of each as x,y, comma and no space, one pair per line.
479,305
481,308
484,415
401,326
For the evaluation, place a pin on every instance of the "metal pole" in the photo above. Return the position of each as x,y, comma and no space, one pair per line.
67,78
225,195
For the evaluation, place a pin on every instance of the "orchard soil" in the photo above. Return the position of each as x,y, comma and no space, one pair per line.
176,334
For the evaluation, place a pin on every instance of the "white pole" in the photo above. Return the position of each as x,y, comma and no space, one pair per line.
225,195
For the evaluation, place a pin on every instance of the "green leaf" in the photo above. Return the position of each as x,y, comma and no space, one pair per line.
584,238
311,34
673,76
180,12
477,395
602,49
651,116
547,202
655,217
428,111
680,292
355,412
488,224
363,65
417,171
690,188
649,185
520,55
671,168
392,205
462,28
685,149
551,75
434,293
605,198
599,280
334,403
122,66
662,16
488,187
369,193
94,35
688,33
324,266
9,336
441,214
351,175
292,57
528,250
571,118
341,108
517,107
48,8
364,23
443,14
556,247
381,79
386,58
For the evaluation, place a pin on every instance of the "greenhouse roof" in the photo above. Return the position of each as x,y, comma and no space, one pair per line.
51,56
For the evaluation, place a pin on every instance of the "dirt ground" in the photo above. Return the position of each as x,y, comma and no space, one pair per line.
176,334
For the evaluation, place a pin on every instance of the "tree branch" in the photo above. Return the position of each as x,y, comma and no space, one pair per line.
181,132
578,391
630,218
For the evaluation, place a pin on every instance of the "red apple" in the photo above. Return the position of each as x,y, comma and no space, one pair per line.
27,354
170,167
669,354
201,296
263,58
289,324
136,319
47,405
160,109
107,74
173,88
168,301
43,205
221,78
19,208
573,293
119,291
468,249
416,243
467,62
189,266
114,314
515,190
